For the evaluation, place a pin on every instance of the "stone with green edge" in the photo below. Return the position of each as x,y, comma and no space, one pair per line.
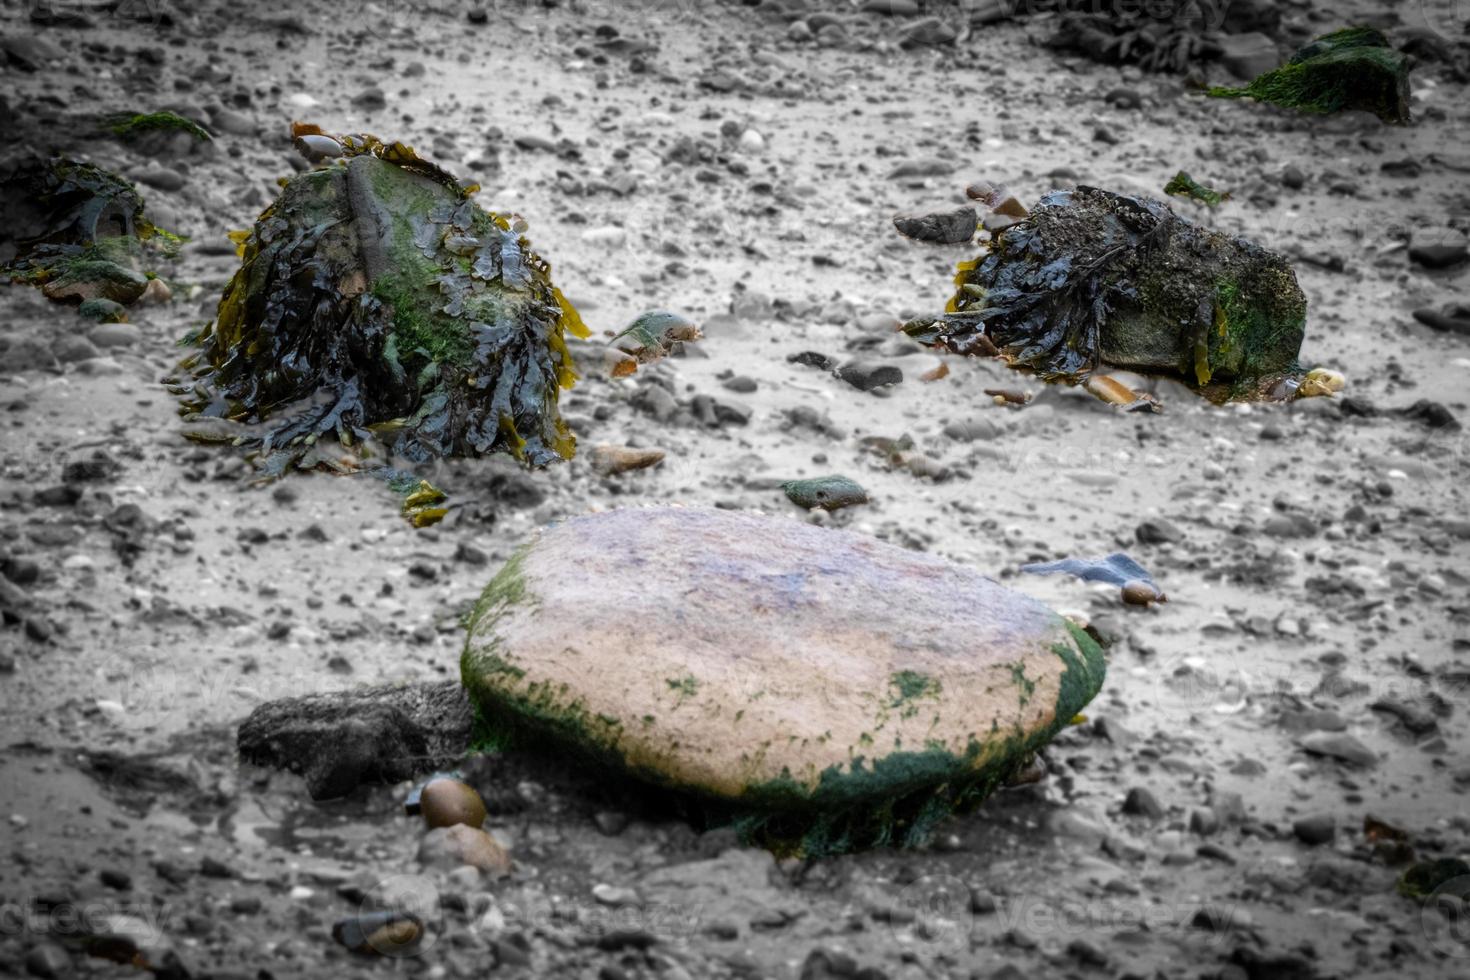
824,689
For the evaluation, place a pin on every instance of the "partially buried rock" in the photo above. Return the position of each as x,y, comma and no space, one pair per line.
832,690
377,302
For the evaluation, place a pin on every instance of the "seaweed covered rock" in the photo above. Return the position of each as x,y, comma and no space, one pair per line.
825,689
1165,35
1354,68
73,229
376,301
1092,279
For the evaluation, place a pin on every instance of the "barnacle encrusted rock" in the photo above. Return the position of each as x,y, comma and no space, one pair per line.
377,301
1092,279
827,689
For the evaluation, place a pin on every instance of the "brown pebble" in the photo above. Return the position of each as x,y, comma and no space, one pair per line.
1140,593
446,802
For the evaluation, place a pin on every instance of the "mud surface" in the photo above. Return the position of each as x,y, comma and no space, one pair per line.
1308,672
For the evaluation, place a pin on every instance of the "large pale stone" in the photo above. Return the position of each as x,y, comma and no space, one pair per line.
769,663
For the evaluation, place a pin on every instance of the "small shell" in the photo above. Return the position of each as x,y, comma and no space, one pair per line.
1110,389
314,146
1321,381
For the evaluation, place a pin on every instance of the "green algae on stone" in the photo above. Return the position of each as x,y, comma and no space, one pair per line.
1424,879
1354,68
132,125
1093,279
377,303
1183,185
820,690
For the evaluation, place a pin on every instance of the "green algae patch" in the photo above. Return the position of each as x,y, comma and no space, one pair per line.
379,305
1093,280
1354,68
132,125
910,686
1183,185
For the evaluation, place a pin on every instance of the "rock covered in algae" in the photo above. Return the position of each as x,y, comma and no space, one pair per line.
1354,68
826,689
377,301
1093,278
72,228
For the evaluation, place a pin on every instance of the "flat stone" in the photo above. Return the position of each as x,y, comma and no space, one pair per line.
1440,254
867,375
768,661
115,335
941,227
1340,745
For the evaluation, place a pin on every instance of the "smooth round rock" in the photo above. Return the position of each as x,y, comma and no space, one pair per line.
769,662
446,802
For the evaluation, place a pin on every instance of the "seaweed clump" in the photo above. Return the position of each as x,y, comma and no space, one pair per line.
1354,68
1093,278
128,125
1183,185
377,303
74,229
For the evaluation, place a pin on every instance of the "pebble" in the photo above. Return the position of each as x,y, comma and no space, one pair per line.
1315,830
1158,531
1141,802
447,802
615,897
830,493
115,335
1448,249
49,962
869,375
740,384
233,123
1340,745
